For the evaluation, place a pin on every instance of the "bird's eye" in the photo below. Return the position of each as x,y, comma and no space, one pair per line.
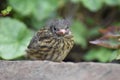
55,28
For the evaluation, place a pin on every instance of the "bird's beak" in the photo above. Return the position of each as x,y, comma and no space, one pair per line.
61,32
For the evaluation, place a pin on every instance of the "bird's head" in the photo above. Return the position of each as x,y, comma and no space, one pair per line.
60,27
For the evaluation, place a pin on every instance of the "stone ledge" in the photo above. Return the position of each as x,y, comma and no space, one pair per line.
46,70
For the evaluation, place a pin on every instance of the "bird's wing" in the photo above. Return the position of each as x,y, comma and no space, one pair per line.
33,42
38,38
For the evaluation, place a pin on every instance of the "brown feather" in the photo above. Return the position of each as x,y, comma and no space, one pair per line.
45,46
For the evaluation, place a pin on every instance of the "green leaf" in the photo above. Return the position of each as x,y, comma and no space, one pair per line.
40,9
45,8
6,11
9,8
24,7
79,32
117,54
75,1
92,5
14,37
100,54
112,2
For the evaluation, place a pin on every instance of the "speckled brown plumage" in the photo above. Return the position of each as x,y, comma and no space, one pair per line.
53,42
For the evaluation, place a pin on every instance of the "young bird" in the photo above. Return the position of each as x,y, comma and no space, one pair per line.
53,42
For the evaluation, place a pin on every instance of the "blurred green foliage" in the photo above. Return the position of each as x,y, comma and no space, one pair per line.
14,37
101,54
17,28
39,9
79,33
6,11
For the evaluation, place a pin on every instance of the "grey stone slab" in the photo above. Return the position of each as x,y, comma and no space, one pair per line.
46,70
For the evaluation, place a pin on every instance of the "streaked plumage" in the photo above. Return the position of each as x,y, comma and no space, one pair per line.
53,42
